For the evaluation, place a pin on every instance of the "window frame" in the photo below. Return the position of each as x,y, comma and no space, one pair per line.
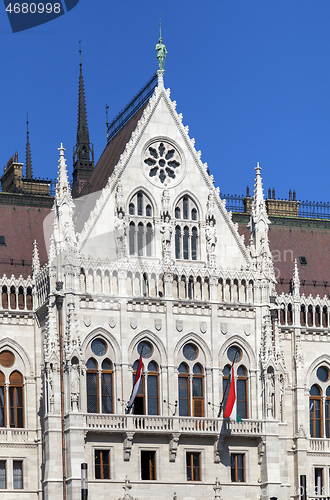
102,451
15,386
21,476
235,469
5,476
190,465
152,471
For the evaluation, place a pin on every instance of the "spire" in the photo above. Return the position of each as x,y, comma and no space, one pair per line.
82,129
28,160
35,260
62,187
296,280
83,153
259,205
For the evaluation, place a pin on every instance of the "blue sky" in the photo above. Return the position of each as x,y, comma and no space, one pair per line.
251,78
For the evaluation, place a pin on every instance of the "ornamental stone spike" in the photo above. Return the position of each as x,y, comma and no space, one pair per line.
296,280
35,260
62,186
161,56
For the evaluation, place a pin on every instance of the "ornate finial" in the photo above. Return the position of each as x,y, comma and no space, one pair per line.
80,53
161,49
35,260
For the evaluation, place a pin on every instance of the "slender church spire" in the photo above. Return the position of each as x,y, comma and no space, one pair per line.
83,153
28,160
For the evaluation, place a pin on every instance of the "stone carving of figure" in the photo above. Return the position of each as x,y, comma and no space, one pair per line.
270,394
75,389
50,378
166,231
120,231
211,236
161,53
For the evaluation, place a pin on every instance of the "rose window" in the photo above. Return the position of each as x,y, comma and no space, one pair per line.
162,162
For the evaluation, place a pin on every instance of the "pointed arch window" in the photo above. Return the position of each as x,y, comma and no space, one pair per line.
177,213
106,385
131,209
315,411
184,392
185,207
185,243
92,386
242,407
16,408
194,243
3,409
132,238
197,391
139,401
153,405
177,242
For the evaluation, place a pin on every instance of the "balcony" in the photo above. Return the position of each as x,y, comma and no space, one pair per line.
8,435
167,425
319,444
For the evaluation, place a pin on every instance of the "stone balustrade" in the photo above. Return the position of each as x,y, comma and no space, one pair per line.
16,435
319,444
183,425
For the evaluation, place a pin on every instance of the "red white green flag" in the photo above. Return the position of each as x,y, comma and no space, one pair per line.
136,385
231,405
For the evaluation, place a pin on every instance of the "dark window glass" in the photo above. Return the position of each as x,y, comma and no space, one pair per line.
322,373
139,204
148,463
18,474
194,214
131,209
16,414
190,352
148,211
177,213
237,468
185,208
194,244
3,482
184,404
185,242
148,240
132,238
193,466
315,412
106,392
140,239
102,464
177,242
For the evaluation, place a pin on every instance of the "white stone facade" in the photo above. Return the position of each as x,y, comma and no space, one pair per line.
158,260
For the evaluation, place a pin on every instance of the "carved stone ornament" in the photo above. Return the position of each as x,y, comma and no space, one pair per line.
261,450
87,320
174,443
128,443
224,328
203,326
133,322
179,325
158,324
112,322
247,330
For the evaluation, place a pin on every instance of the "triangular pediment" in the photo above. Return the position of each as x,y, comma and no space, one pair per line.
160,155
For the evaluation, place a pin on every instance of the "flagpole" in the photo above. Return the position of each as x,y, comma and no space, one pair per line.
128,408
224,392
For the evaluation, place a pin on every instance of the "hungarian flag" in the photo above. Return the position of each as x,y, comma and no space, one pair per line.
129,404
231,411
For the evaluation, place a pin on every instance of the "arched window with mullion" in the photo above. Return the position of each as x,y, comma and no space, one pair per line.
92,383
327,412
185,243
315,412
132,238
194,243
16,400
177,242
106,387
152,387
3,409
184,392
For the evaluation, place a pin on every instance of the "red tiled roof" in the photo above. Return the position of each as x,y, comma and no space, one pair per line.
21,225
290,243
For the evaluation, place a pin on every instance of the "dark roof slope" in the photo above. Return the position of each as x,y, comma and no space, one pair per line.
20,226
111,154
290,243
